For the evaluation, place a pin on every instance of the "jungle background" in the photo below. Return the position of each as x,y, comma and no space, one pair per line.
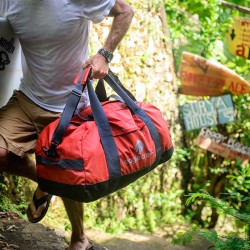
196,190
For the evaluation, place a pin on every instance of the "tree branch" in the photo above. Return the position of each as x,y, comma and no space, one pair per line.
235,7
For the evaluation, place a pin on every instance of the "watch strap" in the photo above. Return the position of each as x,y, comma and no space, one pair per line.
106,54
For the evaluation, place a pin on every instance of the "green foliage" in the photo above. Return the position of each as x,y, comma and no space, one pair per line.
7,205
220,205
240,179
217,242
200,27
12,197
181,155
230,242
196,26
136,207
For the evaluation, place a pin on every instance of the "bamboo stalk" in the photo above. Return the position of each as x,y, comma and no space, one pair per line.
235,7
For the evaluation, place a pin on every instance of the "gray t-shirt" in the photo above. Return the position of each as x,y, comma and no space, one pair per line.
54,35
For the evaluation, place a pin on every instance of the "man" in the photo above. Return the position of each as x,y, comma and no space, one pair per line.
54,38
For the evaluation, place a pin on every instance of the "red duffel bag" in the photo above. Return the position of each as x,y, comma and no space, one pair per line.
105,147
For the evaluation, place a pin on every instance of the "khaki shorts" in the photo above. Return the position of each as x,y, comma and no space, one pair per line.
21,121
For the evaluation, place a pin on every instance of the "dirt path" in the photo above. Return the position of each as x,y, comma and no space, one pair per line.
138,241
16,233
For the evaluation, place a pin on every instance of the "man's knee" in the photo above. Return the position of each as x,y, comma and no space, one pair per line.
4,159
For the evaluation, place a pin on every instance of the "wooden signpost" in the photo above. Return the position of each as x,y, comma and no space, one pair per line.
202,77
210,112
222,145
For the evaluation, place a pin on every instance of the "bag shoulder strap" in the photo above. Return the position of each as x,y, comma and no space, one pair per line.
68,113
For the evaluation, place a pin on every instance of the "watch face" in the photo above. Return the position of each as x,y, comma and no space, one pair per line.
110,57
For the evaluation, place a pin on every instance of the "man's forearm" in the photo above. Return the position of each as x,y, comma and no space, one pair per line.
123,14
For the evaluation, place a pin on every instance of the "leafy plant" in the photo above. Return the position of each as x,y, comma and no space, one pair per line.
230,242
12,197
200,27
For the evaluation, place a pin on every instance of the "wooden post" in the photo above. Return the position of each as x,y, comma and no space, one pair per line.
235,7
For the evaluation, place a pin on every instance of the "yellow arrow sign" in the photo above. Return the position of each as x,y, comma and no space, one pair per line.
203,77
238,37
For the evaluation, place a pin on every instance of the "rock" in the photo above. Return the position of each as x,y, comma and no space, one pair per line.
22,235
19,234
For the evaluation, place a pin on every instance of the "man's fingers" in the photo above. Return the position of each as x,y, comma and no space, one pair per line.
99,66
85,65
98,74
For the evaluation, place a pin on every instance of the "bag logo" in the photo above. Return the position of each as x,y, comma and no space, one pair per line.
139,147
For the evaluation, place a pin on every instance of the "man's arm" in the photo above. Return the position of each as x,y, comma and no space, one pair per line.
122,14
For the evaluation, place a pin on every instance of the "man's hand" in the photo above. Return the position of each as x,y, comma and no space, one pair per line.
99,66
122,14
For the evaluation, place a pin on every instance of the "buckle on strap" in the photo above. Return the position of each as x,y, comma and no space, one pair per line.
51,151
77,92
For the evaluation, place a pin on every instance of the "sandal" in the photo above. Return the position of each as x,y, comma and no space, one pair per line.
38,203
91,246
95,246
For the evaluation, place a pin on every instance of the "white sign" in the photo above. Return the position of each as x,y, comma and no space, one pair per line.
222,145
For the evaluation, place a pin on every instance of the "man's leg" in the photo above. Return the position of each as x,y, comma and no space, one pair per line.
21,166
74,210
20,121
25,167
16,165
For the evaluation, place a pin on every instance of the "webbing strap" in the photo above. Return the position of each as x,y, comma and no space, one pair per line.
111,80
66,116
107,139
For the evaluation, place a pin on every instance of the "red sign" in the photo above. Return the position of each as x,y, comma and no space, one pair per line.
203,77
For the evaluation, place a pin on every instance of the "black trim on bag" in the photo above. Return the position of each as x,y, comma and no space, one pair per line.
89,193
63,163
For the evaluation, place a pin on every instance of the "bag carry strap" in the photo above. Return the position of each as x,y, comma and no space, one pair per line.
68,113
101,91
111,80
107,140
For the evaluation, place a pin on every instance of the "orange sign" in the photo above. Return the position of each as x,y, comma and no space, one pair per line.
222,145
202,77
238,37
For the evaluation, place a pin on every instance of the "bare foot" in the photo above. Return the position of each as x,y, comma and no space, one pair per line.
79,245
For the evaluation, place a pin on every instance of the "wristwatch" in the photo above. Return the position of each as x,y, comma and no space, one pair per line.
106,54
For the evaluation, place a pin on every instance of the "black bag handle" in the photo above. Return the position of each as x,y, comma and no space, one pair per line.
112,81
68,113
107,140
101,91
